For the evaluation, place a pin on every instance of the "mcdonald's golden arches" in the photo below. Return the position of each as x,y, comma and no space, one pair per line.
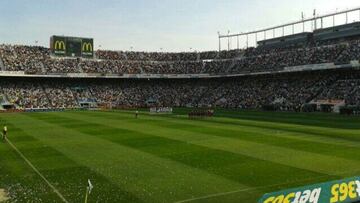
59,45
87,47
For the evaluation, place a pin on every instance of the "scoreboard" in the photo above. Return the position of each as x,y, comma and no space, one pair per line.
72,46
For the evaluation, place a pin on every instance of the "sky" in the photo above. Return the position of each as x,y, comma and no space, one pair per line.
152,25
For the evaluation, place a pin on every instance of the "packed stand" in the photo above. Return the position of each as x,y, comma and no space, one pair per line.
346,88
147,56
37,60
23,58
25,94
287,91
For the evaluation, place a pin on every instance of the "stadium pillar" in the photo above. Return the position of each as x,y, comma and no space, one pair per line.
265,35
346,21
247,41
228,43
228,40
256,39
219,42
322,23
315,20
303,26
237,38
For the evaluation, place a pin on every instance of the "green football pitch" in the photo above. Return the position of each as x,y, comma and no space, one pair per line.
236,156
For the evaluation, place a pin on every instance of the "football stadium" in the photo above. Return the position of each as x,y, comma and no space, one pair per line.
268,116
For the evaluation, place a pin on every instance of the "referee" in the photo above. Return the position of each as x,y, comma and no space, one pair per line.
4,134
136,114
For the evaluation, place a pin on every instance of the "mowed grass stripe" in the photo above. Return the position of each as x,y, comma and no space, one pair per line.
294,158
330,131
258,175
151,178
298,118
279,137
223,163
65,174
233,166
305,133
348,138
326,125
307,119
149,143
283,138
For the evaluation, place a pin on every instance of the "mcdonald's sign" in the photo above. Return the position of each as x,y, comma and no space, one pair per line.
60,45
87,47
72,46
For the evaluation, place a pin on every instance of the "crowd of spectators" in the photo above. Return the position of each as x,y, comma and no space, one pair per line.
59,96
287,91
37,60
275,60
347,88
167,56
23,58
24,94
147,56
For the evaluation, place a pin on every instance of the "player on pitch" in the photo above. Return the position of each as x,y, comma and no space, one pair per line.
4,134
136,114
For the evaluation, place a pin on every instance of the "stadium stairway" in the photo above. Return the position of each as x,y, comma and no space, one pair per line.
240,56
342,54
141,70
92,94
42,66
330,83
203,67
125,56
5,100
47,95
77,99
79,68
231,67
2,67
198,56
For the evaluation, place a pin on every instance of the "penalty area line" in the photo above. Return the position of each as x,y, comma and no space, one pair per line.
214,195
37,171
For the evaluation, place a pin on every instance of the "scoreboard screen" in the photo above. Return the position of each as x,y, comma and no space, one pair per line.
72,46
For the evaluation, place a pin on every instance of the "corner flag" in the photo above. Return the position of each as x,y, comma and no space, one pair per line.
88,190
90,186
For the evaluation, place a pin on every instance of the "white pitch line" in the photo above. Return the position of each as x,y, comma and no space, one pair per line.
255,188
214,195
37,171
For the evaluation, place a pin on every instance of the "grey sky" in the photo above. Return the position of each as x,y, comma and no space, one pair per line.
150,24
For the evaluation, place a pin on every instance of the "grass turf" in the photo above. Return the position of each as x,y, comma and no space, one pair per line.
172,158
